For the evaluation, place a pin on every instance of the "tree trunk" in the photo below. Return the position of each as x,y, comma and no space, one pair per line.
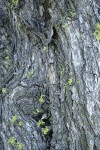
49,75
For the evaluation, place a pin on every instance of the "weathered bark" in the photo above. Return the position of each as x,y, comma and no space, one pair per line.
48,51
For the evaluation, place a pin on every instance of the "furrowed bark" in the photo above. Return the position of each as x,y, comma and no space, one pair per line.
49,75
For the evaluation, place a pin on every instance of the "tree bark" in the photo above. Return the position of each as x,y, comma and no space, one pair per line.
49,75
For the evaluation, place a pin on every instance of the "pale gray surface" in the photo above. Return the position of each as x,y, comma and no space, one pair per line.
34,34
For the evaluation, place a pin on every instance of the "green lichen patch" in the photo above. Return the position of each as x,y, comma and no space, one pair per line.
12,141
45,130
13,3
20,145
65,26
14,119
41,99
4,90
30,74
40,123
70,81
20,123
97,32
45,49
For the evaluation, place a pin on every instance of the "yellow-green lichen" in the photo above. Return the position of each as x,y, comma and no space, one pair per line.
4,90
20,145
70,81
40,122
45,130
12,141
20,123
14,119
13,3
97,32
41,99
65,26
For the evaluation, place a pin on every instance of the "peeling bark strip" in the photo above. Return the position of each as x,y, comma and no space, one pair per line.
49,75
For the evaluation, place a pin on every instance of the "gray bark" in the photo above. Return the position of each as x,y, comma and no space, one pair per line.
48,50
